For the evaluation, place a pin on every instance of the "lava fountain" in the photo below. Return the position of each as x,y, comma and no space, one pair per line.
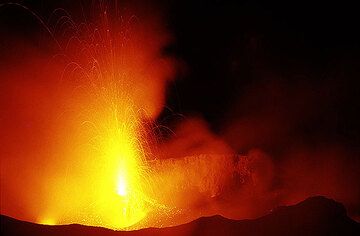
109,90
111,68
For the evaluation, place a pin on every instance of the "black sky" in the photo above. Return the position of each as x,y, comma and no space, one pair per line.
228,47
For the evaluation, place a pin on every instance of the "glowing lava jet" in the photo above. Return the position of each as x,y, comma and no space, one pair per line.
110,89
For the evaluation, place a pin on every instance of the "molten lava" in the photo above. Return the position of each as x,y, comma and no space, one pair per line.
106,184
104,180
96,143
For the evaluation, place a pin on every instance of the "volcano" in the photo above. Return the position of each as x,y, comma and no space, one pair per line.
179,118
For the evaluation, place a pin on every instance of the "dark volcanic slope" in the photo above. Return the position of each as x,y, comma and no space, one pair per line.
314,216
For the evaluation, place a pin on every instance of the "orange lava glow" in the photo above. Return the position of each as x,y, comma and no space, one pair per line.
108,84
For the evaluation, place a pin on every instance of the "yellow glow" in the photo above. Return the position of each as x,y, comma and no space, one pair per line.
104,183
125,163
97,170
47,221
121,188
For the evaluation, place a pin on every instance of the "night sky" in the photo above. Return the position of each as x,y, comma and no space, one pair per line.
230,48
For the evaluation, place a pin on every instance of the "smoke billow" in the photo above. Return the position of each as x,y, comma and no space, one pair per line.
284,131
